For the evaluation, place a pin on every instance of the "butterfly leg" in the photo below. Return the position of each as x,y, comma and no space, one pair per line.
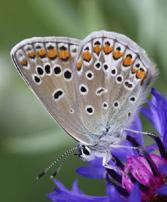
106,159
155,137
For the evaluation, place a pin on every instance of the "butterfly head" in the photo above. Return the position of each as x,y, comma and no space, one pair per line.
85,152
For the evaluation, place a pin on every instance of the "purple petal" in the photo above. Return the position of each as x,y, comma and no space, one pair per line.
75,187
150,148
163,169
156,112
59,185
62,194
93,169
123,153
113,193
135,195
162,190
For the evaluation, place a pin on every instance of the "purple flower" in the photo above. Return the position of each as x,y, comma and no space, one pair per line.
143,172
62,194
147,176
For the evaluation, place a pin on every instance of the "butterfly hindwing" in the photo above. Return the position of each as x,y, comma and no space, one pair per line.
114,73
48,66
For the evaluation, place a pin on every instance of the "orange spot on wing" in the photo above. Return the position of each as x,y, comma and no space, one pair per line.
64,54
31,54
41,53
24,62
140,74
97,49
127,61
52,53
117,54
79,65
107,49
86,55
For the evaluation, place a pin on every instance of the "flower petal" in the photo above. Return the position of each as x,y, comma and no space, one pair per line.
156,112
150,148
162,190
163,169
75,187
135,195
123,153
113,193
62,194
93,169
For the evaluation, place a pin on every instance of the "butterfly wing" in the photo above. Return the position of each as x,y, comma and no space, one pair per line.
113,76
88,86
48,66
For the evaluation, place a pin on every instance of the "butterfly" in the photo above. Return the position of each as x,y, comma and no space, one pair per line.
91,87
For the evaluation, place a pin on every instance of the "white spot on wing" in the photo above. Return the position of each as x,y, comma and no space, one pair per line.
58,94
89,109
119,79
105,105
67,74
71,111
36,79
128,85
97,65
57,70
116,104
101,91
48,69
89,75
113,71
83,89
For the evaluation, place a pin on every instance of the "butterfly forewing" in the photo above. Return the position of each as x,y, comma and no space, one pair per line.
48,66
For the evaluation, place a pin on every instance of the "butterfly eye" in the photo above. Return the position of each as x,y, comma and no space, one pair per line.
85,150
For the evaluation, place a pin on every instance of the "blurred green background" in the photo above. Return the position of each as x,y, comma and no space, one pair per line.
29,137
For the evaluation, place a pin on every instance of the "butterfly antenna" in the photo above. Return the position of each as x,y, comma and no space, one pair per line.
62,157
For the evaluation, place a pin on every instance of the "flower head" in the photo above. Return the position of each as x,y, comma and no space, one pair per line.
142,173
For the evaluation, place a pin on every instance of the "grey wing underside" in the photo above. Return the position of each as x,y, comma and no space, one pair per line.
102,82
